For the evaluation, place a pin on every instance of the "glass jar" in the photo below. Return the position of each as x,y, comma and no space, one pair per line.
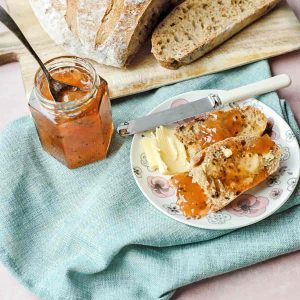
77,130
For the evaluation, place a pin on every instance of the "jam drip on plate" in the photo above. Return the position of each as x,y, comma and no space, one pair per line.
191,197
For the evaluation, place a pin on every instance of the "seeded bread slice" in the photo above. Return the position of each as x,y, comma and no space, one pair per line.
230,167
255,123
195,27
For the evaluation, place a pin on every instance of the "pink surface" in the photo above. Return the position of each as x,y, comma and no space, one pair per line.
14,96
290,64
276,279
273,280
11,289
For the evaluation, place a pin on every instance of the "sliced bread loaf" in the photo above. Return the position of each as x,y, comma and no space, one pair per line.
108,31
230,167
216,126
197,26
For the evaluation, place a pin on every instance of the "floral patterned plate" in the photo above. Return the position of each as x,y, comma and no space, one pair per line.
252,206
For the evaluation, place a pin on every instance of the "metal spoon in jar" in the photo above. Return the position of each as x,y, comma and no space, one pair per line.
56,87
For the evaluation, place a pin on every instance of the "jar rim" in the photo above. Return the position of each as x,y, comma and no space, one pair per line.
66,61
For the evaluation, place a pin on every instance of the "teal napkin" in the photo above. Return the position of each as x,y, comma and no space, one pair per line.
91,234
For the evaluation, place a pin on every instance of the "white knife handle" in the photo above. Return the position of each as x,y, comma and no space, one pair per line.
255,89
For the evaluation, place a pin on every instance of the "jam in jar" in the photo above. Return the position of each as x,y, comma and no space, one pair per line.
77,129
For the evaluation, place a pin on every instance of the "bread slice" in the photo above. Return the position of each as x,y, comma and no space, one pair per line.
230,167
199,133
197,26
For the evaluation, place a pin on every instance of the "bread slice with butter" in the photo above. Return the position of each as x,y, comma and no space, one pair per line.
218,125
195,27
230,167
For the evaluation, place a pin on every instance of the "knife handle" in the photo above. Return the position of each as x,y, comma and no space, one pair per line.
257,88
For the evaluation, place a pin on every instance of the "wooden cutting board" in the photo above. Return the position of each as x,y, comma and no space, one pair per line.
276,33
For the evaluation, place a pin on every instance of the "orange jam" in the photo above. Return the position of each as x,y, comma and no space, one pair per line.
262,145
190,195
74,75
220,125
244,169
77,129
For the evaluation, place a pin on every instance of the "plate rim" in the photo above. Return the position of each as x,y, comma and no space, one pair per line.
212,226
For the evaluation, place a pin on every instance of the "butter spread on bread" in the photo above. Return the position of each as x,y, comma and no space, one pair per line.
195,27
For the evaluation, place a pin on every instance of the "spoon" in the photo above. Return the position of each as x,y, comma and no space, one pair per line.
56,87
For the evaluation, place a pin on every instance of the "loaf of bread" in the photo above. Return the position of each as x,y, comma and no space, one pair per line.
195,27
218,125
230,167
109,31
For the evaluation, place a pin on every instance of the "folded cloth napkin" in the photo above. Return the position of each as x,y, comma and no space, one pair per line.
91,234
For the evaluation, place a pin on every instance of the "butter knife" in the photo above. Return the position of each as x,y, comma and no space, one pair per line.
203,105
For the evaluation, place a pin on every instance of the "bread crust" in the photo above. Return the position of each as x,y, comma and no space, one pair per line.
108,31
192,47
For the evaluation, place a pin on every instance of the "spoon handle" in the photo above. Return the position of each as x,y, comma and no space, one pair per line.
7,20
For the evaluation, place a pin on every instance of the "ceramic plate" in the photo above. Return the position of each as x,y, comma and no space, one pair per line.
250,207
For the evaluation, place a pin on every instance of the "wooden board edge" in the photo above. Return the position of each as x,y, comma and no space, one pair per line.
7,58
120,94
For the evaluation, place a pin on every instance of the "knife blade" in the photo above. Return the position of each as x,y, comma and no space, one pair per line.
203,105
170,116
